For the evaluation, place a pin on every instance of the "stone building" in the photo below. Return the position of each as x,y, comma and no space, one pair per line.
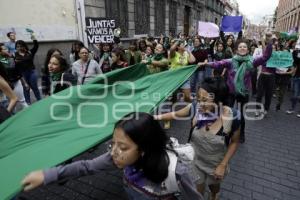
62,22
156,17
288,15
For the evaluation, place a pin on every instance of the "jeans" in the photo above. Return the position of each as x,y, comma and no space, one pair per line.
296,92
31,78
196,80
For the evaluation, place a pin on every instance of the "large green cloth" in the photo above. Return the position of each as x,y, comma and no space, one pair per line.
62,126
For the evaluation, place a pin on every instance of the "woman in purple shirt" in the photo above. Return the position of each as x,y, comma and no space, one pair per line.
238,74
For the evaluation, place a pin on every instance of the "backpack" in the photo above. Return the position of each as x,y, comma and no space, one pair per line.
234,126
184,153
169,187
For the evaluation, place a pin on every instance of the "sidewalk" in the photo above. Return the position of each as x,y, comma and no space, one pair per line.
266,166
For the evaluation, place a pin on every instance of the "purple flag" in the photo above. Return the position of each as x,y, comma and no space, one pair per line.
232,23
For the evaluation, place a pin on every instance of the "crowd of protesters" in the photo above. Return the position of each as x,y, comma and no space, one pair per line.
232,69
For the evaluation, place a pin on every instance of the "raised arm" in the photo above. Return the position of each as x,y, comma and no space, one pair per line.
260,60
222,36
173,49
35,46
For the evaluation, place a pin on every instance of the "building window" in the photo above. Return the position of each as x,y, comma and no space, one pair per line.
142,16
118,10
172,18
160,16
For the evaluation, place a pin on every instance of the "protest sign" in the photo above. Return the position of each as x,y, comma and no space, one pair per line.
232,23
100,30
207,29
280,59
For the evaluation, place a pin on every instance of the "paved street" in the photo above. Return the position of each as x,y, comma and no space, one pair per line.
266,167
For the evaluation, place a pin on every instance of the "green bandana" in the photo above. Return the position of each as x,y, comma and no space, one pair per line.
219,56
4,60
55,76
240,69
157,57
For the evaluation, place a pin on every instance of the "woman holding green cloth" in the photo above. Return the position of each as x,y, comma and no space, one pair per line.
238,74
158,62
60,78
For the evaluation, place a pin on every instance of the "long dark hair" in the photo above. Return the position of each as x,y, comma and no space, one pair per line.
218,87
119,53
21,43
49,55
151,139
74,51
62,62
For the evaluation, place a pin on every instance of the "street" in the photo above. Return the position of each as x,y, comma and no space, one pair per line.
266,166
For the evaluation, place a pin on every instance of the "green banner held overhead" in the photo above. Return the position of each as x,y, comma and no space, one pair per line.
280,59
68,123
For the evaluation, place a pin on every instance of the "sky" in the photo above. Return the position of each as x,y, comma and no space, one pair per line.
255,10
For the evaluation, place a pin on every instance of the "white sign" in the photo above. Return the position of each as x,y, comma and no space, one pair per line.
207,29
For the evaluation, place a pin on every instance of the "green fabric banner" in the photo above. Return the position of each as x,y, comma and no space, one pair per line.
280,59
286,36
64,125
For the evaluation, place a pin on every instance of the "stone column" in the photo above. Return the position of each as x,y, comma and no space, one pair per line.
167,19
180,16
131,23
152,18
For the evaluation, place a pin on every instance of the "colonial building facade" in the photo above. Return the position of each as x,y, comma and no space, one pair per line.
288,15
156,17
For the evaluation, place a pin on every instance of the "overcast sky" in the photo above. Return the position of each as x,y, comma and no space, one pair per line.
255,10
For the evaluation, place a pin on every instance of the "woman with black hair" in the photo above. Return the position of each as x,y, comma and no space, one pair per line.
229,43
118,59
158,62
139,147
76,46
133,55
60,78
214,135
45,72
218,55
105,60
24,64
142,45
